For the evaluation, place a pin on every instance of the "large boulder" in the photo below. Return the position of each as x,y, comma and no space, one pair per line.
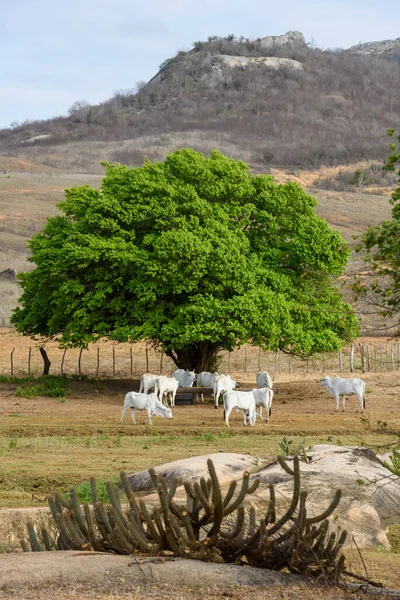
370,492
228,467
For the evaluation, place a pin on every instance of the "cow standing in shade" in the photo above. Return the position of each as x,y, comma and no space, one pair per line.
186,378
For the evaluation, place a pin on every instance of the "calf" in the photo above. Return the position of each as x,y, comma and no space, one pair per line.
166,385
148,402
185,378
345,387
222,383
264,379
240,400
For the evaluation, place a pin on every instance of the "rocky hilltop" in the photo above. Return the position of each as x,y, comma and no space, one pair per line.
275,102
210,64
385,48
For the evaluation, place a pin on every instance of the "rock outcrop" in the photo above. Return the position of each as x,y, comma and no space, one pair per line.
272,62
385,48
228,467
370,492
288,38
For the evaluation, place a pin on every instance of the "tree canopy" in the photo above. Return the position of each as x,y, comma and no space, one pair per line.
380,246
194,254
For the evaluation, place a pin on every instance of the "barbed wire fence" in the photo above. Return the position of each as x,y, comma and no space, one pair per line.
124,361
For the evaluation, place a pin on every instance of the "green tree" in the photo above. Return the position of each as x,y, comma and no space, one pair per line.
195,255
380,249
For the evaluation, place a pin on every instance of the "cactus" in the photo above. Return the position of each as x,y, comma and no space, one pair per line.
208,526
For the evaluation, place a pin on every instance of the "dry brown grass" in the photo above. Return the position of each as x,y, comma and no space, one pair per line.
163,591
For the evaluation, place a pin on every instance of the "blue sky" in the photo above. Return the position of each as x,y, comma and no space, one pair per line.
53,53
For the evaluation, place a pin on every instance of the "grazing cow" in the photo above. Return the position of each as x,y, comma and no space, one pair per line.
222,383
240,400
148,402
264,379
345,387
185,378
206,379
147,381
166,385
263,397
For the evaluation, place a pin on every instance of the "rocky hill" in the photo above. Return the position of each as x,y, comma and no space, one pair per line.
273,101
387,48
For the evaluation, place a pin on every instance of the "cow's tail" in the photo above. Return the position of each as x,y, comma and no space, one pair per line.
363,395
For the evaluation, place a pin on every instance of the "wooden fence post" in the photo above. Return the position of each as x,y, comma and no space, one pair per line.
392,356
161,361
80,361
340,361
113,352
12,362
62,362
229,362
362,357
98,362
368,358
276,361
259,358
29,360
147,359
351,358
245,358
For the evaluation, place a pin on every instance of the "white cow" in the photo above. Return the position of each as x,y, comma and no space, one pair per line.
206,379
147,381
345,387
166,385
263,397
222,383
240,400
264,379
148,402
185,378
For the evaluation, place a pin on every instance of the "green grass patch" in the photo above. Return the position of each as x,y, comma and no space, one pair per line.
9,379
84,493
52,386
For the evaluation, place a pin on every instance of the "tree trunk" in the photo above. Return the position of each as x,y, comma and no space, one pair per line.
198,357
46,361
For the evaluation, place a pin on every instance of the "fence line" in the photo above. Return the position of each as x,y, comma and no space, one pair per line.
125,361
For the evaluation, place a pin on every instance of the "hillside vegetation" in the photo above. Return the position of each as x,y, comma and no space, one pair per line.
333,111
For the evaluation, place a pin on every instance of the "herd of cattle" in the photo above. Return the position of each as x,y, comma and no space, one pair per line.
156,403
